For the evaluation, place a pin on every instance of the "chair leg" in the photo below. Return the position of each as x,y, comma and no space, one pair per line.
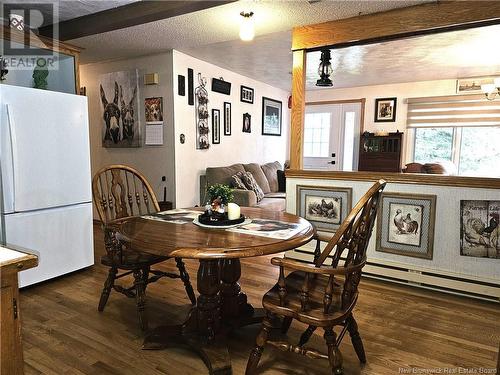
185,279
306,335
334,355
260,341
287,321
140,298
106,290
357,343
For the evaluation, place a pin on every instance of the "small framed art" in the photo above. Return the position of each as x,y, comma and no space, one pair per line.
215,126
246,94
247,123
325,207
227,118
385,109
405,224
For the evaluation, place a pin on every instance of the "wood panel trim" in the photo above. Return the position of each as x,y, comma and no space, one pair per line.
397,23
298,109
401,178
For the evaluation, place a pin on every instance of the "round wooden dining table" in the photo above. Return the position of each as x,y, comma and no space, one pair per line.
221,305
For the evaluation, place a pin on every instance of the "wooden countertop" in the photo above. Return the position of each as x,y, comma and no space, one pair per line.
11,259
401,178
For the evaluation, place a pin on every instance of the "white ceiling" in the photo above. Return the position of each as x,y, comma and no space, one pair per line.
465,53
212,35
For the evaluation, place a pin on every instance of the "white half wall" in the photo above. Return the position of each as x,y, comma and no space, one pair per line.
152,161
239,147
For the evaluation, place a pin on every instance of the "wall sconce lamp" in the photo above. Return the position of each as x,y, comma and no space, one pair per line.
247,29
325,69
491,90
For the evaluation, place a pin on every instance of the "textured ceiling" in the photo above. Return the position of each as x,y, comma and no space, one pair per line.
466,53
212,35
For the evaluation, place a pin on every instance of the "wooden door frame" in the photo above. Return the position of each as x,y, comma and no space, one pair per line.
429,18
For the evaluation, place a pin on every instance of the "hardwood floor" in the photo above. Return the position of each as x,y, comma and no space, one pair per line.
402,328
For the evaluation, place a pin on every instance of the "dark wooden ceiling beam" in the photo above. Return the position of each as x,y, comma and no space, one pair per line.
126,16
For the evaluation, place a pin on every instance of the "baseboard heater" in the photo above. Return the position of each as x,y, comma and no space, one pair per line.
422,279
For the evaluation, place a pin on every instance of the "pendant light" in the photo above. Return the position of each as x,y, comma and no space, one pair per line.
325,69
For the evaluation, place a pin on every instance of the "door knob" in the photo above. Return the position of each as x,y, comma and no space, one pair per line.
331,162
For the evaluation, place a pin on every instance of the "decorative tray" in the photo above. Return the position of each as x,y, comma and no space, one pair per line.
204,221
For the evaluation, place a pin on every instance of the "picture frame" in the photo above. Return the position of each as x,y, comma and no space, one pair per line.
227,118
215,126
405,224
472,85
247,123
271,116
326,207
480,229
246,94
385,109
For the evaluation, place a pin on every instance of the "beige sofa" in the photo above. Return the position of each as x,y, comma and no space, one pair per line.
266,176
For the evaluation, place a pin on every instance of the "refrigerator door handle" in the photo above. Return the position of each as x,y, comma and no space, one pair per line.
13,150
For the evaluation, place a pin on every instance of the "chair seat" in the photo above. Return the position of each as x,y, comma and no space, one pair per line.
314,313
132,260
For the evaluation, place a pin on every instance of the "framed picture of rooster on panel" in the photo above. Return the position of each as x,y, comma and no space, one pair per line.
325,207
405,224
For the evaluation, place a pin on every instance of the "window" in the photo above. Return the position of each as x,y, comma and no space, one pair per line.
348,159
316,134
463,129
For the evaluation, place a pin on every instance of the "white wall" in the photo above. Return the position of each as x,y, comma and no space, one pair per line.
152,161
239,147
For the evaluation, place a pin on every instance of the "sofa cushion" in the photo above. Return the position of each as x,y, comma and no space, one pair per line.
259,176
270,170
251,184
236,181
222,175
273,204
275,195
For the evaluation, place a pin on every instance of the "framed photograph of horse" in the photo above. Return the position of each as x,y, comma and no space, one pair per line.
119,93
405,224
325,207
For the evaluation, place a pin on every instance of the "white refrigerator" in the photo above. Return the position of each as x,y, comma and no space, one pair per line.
45,187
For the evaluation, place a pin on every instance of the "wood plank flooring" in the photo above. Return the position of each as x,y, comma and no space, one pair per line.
402,328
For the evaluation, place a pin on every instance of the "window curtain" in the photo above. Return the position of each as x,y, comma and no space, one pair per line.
452,111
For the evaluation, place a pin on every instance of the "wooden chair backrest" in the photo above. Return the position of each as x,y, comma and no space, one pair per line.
120,191
351,241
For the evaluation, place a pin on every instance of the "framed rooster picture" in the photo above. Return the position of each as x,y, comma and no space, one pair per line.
405,224
325,207
479,228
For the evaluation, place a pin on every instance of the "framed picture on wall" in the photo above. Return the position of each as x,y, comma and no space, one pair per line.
405,224
215,126
480,229
271,116
385,109
247,123
227,118
325,207
246,94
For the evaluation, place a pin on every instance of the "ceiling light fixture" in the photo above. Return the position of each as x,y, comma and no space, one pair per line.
491,90
325,69
247,29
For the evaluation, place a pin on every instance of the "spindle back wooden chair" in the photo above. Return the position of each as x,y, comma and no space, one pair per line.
320,295
120,192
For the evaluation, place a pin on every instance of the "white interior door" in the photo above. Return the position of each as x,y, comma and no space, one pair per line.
331,136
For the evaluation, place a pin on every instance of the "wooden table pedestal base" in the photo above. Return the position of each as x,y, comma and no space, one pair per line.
221,307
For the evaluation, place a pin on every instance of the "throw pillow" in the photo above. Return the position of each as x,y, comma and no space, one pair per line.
251,184
236,181
281,181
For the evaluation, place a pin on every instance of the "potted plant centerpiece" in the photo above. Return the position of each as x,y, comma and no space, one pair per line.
218,207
